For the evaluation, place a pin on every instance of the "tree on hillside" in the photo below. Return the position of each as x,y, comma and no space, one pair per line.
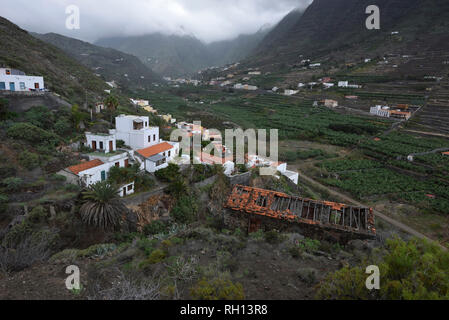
111,103
103,207
77,116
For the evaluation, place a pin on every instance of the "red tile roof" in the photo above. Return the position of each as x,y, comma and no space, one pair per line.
85,166
154,150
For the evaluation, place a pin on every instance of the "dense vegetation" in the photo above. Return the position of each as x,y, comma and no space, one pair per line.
413,270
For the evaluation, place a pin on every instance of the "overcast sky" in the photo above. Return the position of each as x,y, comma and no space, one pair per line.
209,20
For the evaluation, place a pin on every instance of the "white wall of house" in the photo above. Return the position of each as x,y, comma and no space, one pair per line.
21,83
15,80
281,167
101,142
126,190
152,167
293,176
94,175
136,139
169,156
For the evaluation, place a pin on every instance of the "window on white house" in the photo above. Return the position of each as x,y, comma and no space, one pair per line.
169,153
22,86
2,86
149,138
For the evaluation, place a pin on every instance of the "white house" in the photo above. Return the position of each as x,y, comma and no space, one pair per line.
88,173
101,142
135,131
330,103
343,84
381,111
240,86
15,80
158,156
289,92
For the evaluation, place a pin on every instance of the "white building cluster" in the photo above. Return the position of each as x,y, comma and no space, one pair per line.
142,146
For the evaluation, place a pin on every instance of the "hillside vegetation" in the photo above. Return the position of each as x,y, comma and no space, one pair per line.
61,73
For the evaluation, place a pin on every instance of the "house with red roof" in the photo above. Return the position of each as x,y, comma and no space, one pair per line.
158,156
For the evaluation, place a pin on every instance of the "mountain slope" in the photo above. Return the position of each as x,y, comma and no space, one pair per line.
228,51
128,71
61,73
281,30
167,55
173,55
328,25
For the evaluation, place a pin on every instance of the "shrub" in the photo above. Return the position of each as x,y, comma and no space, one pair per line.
273,237
125,288
413,270
155,227
17,234
38,214
12,184
58,178
169,174
308,275
177,188
29,160
24,254
40,116
72,188
97,250
185,210
32,134
146,245
217,289
63,127
120,143
156,256
258,235
309,245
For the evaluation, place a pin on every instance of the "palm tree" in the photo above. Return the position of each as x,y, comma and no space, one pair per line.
103,207
111,103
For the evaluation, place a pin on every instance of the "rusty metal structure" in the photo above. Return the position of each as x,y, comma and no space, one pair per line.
322,214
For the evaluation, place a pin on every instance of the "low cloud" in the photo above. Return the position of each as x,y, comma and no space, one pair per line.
209,20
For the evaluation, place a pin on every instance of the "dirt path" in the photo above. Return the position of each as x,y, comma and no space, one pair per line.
428,133
380,215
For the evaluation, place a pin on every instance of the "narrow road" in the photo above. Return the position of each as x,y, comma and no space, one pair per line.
378,214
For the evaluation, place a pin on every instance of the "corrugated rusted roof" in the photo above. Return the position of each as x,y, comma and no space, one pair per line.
281,206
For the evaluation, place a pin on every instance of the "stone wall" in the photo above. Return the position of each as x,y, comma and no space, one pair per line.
242,179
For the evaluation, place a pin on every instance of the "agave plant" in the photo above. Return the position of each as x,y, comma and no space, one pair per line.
103,207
